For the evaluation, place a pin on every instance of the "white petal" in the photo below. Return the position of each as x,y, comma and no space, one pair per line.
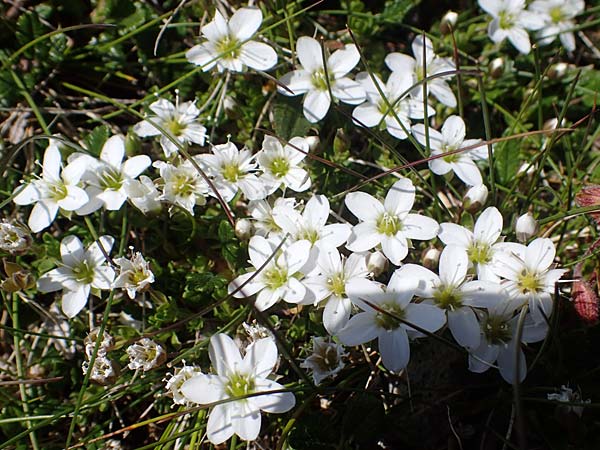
261,357
399,62
464,327
364,206
224,354
316,211
429,317
53,280
145,128
420,278
217,28
245,22
136,165
367,115
420,227
360,329
436,140
467,171
336,314
103,277
400,198
113,200
294,292
316,104
453,234
248,289
113,151
267,298
203,389
74,301
51,164
42,215
539,254
443,93
71,251
488,226
348,91
454,131
296,256
335,234
273,403
309,53
507,363
219,427
259,250
394,349
454,263
94,253
520,39
258,56
27,194
297,81
75,199
363,237
343,60
395,248
246,423
483,357
201,55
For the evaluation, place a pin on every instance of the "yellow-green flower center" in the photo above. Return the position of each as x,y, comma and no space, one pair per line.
279,167
231,172
239,385
556,14
319,80
58,191
448,297
275,277
310,234
183,185
388,224
528,282
175,127
497,330
506,19
479,253
391,320
228,48
83,272
111,179
337,284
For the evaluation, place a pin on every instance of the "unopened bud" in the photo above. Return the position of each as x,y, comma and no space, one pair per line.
376,263
313,142
475,198
448,22
231,107
526,227
558,71
244,229
341,142
18,279
431,258
496,67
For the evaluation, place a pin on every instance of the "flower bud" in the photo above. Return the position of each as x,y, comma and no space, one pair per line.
376,263
231,107
526,227
496,67
313,142
430,258
475,198
558,71
18,279
244,229
448,22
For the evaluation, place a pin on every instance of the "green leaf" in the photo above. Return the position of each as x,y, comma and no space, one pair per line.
506,161
95,140
288,118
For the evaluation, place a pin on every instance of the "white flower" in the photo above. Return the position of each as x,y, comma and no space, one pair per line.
278,279
335,273
511,20
81,270
15,238
498,331
262,212
143,194
450,139
315,81
180,121
106,178
389,224
434,65
228,44
391,333
176,380
568,395
480,244
527,275
237,377
135,275
525,227
233,169
375,109
558,16
281,165
145,354
53,191
310,225
475,198
452,293
325,360
182,185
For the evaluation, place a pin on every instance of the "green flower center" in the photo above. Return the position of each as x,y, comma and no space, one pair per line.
496,330
451,158
319,80
556,14
479,253
137,276
337,284
388,224
58,191
279,167
231,172
390,321
528,282
83,272
328,359
310,235
228,48
275,277
183,185
506,19
448,297
111,179
175,127
239,385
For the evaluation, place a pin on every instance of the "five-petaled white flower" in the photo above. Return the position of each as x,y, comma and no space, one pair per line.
389,224
262,212
236,380
281,164
233,169
420,69
558,17
135,275
452,293
329,286
81,270
228,44
452,138
108,176
527,275
316,79
54,190
182,185
325,360
277,280
179,121
511,20
384,310
376,109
